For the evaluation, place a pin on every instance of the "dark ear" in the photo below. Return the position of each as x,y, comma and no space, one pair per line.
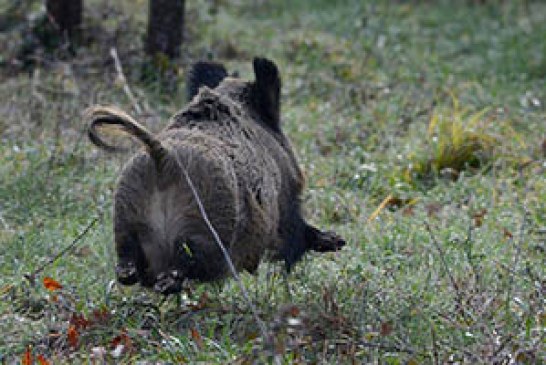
204,73
266,91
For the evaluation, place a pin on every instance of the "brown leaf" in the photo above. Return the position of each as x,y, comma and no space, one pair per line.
101,315
122,339
203,301
73,336
79,321
27,357
478,217
294,311
507,234
197,338
386,329
42,360
51,284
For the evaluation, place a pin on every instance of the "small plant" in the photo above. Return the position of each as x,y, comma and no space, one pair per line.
457,140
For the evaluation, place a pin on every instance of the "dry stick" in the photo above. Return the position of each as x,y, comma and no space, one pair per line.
121,76
261,325
31,277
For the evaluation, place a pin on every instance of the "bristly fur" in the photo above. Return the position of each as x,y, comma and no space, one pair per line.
229,139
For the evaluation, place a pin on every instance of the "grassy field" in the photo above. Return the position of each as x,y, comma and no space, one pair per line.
421,127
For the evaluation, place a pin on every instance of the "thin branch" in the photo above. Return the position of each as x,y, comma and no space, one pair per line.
32,276
450,275
442,257
123,80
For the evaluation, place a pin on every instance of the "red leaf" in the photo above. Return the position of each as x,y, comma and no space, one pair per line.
294,311
27,357
79,321
51,284
197,338
72,335
101,315
42,360
121,339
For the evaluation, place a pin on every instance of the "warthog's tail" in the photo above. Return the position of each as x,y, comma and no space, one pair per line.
113,120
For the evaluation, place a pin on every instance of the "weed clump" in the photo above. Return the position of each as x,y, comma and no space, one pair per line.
456,140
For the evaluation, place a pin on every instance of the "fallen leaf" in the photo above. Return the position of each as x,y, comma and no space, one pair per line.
386,329
478,217
42,360
79,321
121,339
27,357
507,234
52,284
294,311
101,315
72,335
197,338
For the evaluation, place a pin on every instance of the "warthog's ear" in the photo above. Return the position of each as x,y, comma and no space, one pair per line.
204,73
266,91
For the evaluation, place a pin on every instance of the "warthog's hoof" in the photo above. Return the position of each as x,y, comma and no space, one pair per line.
169,282
126,273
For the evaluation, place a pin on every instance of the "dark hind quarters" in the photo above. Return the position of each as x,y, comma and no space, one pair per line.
204,73
266,91
201,261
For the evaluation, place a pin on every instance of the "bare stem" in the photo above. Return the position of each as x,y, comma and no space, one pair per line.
123,80
32,276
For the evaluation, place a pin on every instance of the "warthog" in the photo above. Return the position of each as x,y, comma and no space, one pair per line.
229,141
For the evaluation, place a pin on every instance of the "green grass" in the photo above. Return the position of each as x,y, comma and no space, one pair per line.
455,275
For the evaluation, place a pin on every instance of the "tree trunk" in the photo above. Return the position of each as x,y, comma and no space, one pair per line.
165,26
66,14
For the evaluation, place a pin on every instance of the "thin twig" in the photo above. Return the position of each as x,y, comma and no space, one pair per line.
442,257
32,276
450,275
123,80
267,339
